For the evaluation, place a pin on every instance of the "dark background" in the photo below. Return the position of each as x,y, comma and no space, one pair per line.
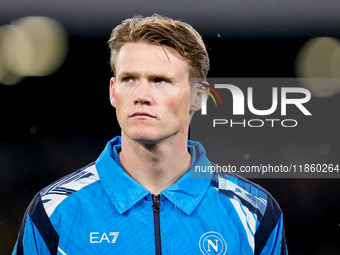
51,126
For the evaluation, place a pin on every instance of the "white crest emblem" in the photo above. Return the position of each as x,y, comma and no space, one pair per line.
212,243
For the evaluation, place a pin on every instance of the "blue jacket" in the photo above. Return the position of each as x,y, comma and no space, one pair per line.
100,209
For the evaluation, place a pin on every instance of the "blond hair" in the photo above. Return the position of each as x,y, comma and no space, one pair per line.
163,31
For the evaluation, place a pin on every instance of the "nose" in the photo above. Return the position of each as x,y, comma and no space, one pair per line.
142,93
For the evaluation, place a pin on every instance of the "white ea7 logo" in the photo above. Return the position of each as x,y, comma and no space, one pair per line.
96,237
212,243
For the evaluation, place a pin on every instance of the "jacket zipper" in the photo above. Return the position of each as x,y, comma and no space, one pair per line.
156,207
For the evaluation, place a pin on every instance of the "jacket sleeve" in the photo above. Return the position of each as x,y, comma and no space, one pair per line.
36,235
270,235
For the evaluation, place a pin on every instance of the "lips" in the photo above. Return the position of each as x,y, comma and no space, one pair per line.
141,115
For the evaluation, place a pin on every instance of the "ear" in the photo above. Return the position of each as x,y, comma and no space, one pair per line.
112,91
196,96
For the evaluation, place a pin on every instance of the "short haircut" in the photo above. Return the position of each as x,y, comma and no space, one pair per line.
163,31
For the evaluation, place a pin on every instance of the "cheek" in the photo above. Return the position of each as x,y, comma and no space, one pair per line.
120,98
180,106
120,105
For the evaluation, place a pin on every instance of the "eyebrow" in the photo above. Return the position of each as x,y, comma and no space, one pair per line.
151,75
125,74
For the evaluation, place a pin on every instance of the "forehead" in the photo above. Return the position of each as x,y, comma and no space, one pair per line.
146,57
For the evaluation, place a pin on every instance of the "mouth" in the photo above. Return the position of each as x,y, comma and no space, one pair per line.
141,115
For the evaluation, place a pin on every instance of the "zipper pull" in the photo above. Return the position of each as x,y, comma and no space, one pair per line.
156,205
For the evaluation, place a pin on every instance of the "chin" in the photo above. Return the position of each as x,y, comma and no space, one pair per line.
148,138
142,136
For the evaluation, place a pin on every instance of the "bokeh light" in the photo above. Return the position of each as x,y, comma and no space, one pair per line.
31,46
319,62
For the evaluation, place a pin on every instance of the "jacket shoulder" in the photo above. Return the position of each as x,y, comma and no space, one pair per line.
249,196
246,192
57,192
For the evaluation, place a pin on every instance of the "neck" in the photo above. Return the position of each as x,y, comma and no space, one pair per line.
158,165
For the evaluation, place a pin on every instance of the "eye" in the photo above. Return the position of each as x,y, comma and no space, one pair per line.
127,79
160,80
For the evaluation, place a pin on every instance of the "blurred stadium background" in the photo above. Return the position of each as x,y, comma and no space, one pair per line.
56,116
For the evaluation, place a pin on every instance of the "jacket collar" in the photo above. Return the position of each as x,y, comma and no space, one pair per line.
125,192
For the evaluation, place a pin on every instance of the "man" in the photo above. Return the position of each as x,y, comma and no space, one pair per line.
138,197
